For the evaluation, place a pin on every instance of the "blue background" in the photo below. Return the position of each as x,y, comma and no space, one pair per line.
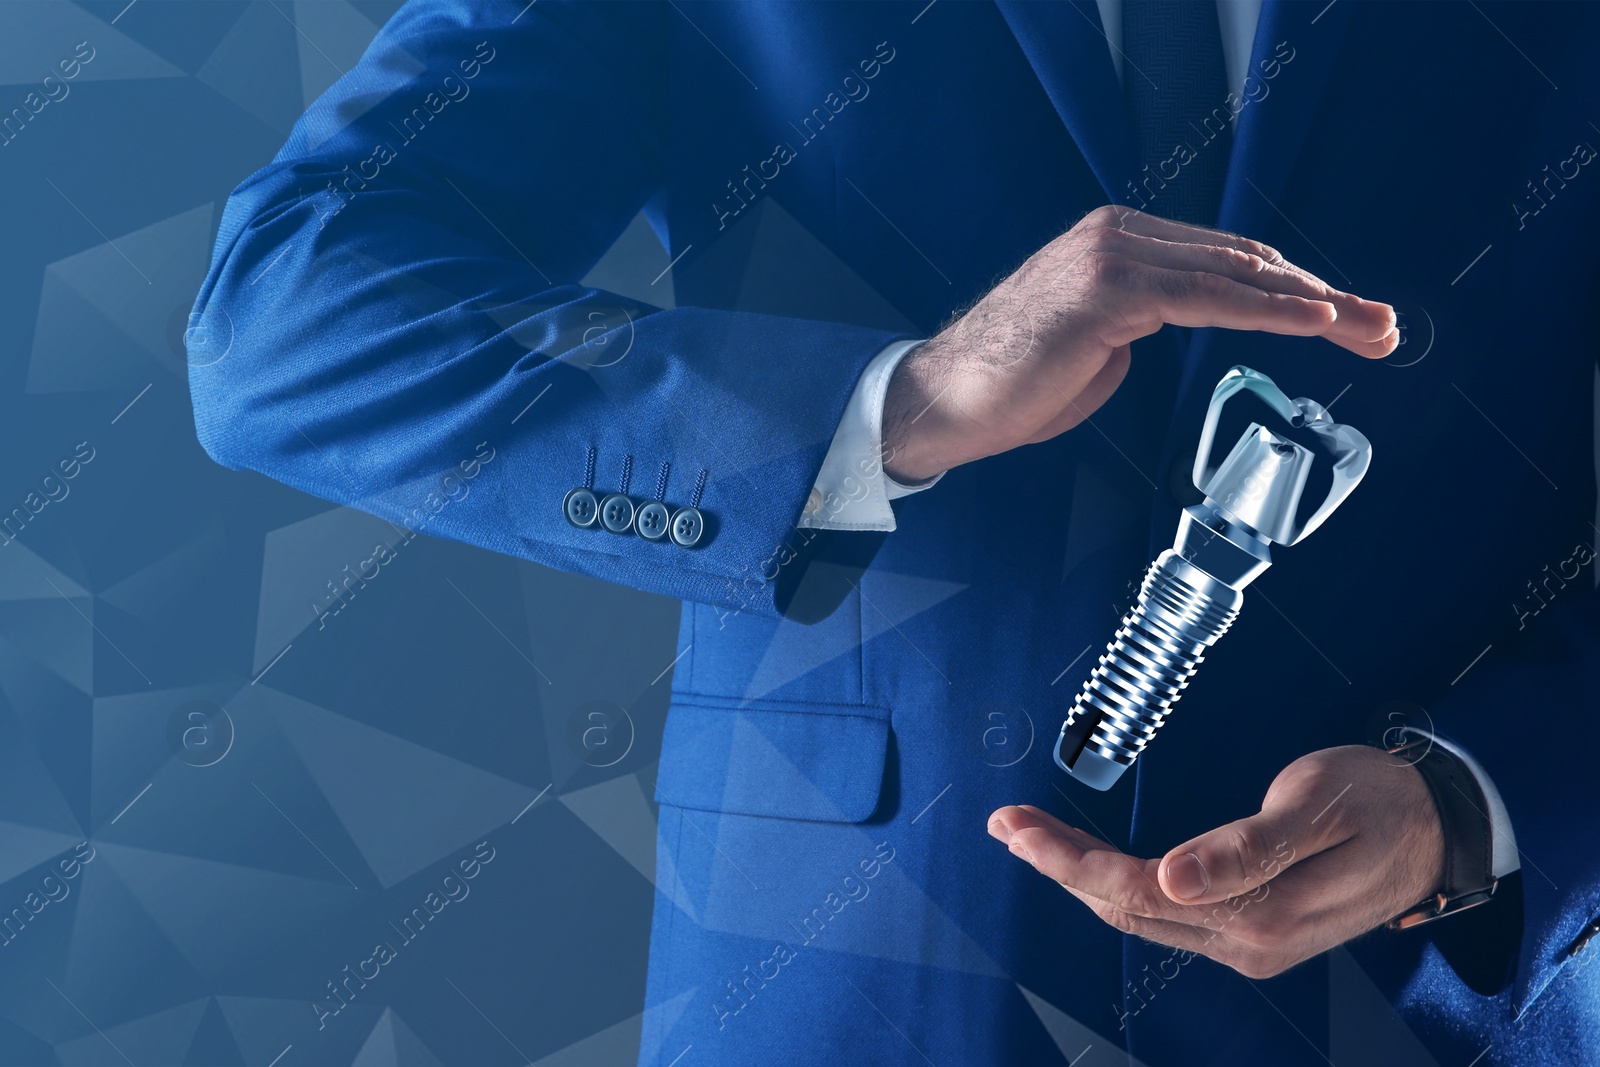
240,863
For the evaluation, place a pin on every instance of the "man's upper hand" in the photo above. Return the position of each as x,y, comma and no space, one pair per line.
1049,344
1346,839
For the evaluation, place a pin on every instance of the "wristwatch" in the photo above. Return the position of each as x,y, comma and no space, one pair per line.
1468,833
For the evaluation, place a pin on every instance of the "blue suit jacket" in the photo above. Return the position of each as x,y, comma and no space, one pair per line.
402,283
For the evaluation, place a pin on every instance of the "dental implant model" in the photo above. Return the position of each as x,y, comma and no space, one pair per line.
1192,592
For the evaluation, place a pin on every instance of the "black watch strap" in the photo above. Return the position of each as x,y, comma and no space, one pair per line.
1468,832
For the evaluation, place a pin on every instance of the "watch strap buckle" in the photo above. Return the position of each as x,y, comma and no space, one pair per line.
1441,904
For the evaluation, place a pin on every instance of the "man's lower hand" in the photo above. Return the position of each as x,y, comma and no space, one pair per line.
1346,839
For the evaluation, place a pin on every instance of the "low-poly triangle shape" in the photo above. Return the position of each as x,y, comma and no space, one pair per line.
797,648
34,46
619,812
404,806
213,1044
163,1037
1363,1027
620,1043
1080,1045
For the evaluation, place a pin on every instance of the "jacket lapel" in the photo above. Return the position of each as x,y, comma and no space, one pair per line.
1271,132
1067,47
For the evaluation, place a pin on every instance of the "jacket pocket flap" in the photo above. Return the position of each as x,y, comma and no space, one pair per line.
780,759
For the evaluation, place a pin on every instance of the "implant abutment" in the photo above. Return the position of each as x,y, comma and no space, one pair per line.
1227,552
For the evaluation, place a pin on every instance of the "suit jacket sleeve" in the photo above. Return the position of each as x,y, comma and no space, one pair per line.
396,297
1526,713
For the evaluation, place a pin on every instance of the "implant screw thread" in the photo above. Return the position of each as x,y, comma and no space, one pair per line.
1150,659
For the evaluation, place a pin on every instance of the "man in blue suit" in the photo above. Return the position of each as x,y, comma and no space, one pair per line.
874,665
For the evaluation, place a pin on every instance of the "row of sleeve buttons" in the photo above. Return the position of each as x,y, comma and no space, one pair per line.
619,514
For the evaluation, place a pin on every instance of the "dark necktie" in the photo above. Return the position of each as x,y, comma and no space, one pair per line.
1175,84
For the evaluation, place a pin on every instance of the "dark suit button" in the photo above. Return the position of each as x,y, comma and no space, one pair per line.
687,526
652,521
616,513
580,507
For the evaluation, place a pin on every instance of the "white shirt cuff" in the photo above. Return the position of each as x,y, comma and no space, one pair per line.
852,491
1503,855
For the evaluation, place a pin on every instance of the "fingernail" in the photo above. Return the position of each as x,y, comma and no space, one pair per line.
998,831
1364,303
1021,853
1187,876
